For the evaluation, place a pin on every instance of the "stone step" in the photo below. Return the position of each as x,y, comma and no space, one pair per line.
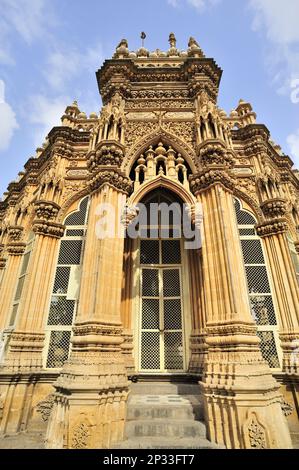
164,388
165,428
163,443
164,412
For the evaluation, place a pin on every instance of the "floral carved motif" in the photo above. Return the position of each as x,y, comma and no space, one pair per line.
45,406
81,436
257,435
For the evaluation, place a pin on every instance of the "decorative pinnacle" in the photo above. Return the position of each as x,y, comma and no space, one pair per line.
143,36
172,40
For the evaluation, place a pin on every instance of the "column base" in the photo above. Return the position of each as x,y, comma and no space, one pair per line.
242,400
91,392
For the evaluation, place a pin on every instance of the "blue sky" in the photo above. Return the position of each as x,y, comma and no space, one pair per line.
50,50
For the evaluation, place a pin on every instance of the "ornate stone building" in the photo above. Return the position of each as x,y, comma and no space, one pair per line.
82,316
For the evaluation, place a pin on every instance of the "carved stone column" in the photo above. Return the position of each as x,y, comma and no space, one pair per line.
273,231
241,398
91,392
15,250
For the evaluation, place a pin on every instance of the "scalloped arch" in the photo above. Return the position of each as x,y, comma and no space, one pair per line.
256,210
63,213
162,182
153,138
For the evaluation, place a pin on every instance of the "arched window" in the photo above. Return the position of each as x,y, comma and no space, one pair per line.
65,293
259,286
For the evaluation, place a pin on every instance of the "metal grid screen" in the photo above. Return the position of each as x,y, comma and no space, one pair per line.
65,289
161,323
259,286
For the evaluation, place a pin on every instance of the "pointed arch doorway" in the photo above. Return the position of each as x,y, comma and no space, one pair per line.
161,307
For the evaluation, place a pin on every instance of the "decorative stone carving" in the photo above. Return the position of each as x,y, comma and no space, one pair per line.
48,228
108,154
205,179
112,178
272,227
46,210
45,406
81,435
274,208
15,233
256,435
286,408
16,249
215,154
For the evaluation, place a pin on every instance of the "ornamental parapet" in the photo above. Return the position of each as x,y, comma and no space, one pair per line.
16,248
215,153
209,177
113,178
274,208
110,153
15,233
272,227
48,228
46,210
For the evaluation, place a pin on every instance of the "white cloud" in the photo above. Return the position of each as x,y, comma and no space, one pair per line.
28,19
293,142
8,122
199,5
45,113
62,66
280,23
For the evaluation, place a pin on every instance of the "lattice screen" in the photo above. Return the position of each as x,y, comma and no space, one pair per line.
65,292
161,339
22,277
259,287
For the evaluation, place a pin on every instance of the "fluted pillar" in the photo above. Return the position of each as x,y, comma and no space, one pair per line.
15,249
242,399
92,389
273,231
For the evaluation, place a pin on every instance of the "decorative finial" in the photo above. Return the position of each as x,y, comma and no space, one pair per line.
172,40
143,36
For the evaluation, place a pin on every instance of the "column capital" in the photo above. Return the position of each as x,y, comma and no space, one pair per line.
108,152
113,177
215,152
48,228
209,177
15,233
46,210
2,263
16,248
273,208
297,246
272,227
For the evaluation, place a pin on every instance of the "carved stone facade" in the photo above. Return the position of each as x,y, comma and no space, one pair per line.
72,311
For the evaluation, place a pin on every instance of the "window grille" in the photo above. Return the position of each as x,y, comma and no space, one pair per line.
63,303
161,322
22,276
259,287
